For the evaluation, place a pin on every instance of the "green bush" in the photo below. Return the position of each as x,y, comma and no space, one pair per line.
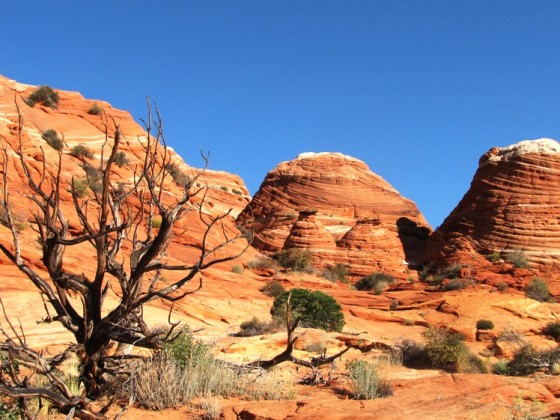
413,354
52,139
494,257
365,381
237,269
95,110
315,309
80,187
273,289
528,360
517,258
376,282
337,272
296,259
44,95
447,350
552,329
500,367
81,151
257,327
538,290
484,324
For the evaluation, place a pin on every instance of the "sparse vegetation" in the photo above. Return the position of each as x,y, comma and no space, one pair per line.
315,309
494,257
366,384
121,159
273,289
537,289
552,329
296,259
262,263
82,152
237,269
44,95
80,187
179,177
95,109
528,360
337,272
156,222
257,327
376,282
447,350
517,258
453,271
52,139
502,287
484,324
457,284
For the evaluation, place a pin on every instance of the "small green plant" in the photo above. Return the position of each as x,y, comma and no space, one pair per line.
494,257
315,309
500,367
82,152
79,187
121,159
552,329
257,327
447,350
52,139
366,384
296,259
95,109
517,258
156,222
376,282
237,269
44,95
337,272
537,289
484,324
273,289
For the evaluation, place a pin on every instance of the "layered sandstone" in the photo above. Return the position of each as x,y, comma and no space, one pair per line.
341,191
513,204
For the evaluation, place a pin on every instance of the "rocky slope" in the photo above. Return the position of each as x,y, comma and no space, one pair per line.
336,206
513,204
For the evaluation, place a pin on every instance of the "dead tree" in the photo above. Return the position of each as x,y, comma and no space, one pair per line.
110,217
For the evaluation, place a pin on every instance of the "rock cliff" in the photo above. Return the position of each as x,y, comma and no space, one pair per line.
513,205
370,225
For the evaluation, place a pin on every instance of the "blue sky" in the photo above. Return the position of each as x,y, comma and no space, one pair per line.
417,89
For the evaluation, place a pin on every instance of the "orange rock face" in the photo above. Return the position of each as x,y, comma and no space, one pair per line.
342,192
513,204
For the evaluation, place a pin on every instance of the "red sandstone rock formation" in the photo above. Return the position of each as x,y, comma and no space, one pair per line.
513,204
341,190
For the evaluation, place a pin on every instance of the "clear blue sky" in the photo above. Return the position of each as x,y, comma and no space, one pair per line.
417,89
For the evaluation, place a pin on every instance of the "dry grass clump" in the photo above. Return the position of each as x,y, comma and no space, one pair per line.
256,327
365,381
186,369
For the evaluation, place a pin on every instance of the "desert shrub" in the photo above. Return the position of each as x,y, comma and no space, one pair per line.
413,354
156,222
453,271
238,192
237,269
528,360
186,369
494,257
500,367
315,309
80,187
121,159
179,177
52,139
457,284
318,346
262,263
273,289
296,259
44,95
376,282
502,287
538,290
366,384
510,336
223,188
257,327
81,151
552,329
337,272
18,219
10,411
517,258
484,324
447,350
94,177
95,109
